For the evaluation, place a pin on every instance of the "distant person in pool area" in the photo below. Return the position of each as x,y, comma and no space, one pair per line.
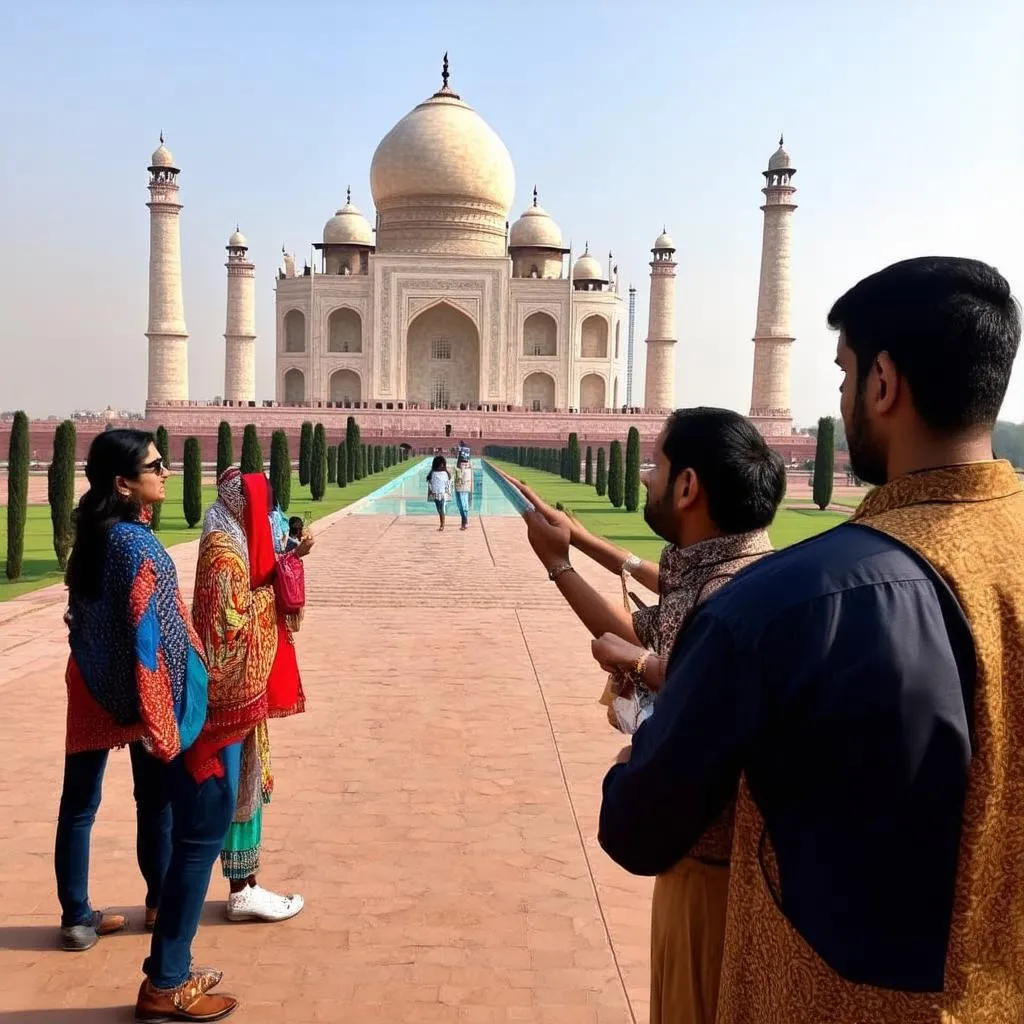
464,489
439,486
464,452
296,525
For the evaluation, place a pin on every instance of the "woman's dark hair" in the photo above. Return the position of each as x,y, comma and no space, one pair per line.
439,465
295,526
112,454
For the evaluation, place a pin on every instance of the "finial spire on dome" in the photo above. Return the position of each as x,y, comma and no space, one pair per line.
534,195
444,71
781,142
161,136
348,195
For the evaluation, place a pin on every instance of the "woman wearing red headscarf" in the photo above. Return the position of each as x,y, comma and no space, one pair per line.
254,676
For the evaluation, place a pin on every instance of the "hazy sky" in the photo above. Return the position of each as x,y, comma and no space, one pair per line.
905,121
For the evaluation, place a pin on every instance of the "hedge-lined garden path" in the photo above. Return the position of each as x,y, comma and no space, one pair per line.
436,805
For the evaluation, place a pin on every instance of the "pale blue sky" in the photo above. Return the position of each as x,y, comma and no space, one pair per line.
904,120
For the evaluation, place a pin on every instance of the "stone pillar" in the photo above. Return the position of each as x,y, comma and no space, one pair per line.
660,379
773,335
168,337
240,331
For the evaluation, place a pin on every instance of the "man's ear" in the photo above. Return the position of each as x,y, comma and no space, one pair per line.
886,384
686,489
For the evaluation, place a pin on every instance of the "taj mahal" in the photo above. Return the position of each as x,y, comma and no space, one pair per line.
441,312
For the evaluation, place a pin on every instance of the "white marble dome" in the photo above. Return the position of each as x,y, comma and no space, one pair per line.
348,227
780,160
664,241
535,230
586,268
162,157
237,240
443,147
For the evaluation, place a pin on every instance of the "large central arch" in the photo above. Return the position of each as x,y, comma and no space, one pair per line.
442,364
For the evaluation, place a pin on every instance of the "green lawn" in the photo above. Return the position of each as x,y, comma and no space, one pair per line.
39,568
629,530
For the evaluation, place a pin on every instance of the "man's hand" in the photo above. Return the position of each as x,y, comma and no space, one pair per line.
550,541
305,545
614,654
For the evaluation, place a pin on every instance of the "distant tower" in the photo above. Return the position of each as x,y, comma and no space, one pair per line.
660,382
629,346
168,337
773,335
240,332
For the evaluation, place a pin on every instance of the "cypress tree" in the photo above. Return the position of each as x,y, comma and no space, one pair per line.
163,446
281,469
192,483
601,477
305,452
60,480
318,463
616,489
352,447
225,448
632,489
17,494
332,464
824,462
252,453
378,458
362,462
588,475
574,457
341,475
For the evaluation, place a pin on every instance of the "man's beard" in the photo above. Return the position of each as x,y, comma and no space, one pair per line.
867,458
658,516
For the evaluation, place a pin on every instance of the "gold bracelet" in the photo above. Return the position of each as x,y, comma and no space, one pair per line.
639,668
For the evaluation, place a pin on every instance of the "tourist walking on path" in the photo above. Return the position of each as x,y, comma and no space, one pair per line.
464,489
714,489
254,675
439,486
867,687
136,676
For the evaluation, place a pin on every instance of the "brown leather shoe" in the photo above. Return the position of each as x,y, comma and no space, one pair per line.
188,1002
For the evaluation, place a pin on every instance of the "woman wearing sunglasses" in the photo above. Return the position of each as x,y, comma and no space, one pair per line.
136,677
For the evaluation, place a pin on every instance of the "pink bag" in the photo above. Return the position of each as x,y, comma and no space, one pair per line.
290,584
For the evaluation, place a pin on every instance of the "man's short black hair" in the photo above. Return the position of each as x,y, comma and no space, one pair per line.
951,327
744,479
295,526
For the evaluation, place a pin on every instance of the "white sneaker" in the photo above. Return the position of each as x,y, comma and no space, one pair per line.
254,903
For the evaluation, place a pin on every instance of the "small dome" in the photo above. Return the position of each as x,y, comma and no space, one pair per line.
586,268
780,160
663,241
535,230
348,227
237,240
161,156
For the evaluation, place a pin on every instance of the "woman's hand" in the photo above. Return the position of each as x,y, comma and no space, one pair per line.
305,545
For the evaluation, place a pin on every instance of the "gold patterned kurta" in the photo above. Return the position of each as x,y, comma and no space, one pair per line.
968,523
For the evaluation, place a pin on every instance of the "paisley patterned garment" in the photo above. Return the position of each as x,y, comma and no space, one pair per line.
132,650
968,523
686,577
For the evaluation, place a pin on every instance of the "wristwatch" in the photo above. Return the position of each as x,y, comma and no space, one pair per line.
557,571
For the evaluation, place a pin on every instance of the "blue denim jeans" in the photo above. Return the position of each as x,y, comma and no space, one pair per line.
80,799
202,813
462,499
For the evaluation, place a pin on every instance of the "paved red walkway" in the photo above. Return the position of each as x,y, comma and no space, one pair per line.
436,805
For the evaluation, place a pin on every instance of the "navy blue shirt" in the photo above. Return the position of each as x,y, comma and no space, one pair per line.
837,675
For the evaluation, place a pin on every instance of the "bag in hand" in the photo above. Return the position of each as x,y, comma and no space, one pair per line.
290,584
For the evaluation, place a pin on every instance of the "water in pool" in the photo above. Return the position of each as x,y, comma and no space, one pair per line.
406,495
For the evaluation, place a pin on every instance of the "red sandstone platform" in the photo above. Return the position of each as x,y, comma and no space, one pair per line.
436,806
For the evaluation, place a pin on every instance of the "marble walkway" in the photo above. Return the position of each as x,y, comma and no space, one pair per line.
436,805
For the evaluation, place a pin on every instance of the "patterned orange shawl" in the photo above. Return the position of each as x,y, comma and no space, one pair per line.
254,673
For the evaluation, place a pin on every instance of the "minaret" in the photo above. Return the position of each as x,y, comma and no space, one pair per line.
773,335
660,382
168,337
240,332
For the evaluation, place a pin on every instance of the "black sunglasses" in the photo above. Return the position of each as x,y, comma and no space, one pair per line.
156,466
